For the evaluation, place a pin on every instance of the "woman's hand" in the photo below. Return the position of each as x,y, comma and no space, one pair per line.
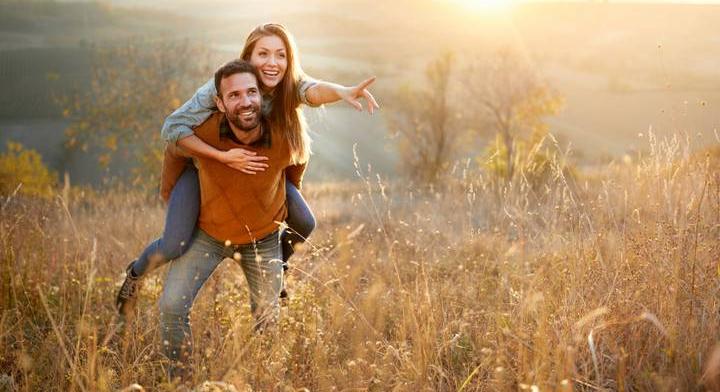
243,160
354,94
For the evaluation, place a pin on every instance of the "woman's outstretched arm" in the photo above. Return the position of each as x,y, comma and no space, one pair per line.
322,92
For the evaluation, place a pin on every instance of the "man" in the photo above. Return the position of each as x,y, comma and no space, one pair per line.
239,213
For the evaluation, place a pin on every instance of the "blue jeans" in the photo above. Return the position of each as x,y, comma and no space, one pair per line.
263,271
182,214
300,221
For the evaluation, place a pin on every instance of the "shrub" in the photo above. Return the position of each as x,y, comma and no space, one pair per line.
22,166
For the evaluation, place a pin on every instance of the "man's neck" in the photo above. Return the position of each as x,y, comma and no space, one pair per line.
246,137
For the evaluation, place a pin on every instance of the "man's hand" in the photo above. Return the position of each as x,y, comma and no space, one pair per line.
243,160
353,94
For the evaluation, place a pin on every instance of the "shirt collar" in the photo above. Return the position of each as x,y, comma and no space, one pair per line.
263,140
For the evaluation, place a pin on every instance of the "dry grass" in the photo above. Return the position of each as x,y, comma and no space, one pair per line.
607,281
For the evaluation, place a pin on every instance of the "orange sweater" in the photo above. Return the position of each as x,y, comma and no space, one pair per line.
233,205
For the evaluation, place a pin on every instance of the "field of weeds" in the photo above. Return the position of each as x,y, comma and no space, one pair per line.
588,281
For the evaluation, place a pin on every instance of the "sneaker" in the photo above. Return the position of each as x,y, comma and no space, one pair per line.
127,296
283,291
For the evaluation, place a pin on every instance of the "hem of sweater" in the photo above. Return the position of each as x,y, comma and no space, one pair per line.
245,239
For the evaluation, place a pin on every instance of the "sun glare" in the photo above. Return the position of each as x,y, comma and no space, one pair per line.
485,5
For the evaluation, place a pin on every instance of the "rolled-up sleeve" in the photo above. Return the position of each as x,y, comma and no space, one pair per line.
174,163
295,174
192,113
303,85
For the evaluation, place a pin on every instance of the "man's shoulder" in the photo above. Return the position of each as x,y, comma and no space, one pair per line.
210,128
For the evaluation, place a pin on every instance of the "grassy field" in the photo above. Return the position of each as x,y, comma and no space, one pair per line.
602,281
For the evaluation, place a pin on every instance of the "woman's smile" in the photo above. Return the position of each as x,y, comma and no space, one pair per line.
270,57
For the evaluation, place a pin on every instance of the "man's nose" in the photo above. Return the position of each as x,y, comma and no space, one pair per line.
244,100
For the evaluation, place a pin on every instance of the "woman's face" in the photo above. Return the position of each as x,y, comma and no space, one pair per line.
269,56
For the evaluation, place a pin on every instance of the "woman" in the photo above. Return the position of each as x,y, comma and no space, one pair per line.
270,48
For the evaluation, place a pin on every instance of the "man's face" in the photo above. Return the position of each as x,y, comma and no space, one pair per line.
240,100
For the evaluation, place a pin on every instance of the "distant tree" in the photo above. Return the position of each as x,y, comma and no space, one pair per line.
25,168
505,95
423,120
134,87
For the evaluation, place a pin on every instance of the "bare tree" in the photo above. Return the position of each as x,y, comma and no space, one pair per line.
506,95
423,121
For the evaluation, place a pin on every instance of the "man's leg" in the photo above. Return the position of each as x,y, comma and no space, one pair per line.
262,264
184,279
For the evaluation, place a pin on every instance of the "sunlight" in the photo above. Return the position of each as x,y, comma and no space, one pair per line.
485,5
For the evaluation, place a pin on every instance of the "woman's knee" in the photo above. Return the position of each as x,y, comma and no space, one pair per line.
303,225
182,214
174,246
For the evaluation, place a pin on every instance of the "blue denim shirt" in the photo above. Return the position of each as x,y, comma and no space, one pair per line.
195,111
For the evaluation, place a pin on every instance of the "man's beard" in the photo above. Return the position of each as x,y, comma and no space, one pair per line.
236,119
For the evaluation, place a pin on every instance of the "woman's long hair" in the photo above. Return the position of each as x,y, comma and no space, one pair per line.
285,113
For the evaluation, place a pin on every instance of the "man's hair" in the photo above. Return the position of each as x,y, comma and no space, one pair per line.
232,68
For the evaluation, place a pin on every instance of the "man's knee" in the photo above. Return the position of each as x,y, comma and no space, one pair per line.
173,310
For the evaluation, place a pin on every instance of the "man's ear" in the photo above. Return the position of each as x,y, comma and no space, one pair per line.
219,103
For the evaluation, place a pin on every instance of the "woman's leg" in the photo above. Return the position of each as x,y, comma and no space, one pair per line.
300,221
181,217
182,214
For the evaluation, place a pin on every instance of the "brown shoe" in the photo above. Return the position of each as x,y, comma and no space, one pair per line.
127,296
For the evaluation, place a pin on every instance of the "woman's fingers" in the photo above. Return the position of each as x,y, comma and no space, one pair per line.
361,91
357,105
371,99
363,85
240,152
256,166
256,158
371,103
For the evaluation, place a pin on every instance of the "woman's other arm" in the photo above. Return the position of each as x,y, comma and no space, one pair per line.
178,130
192,113
321,92
246,161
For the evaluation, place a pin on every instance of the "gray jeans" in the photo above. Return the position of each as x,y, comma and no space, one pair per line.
261,262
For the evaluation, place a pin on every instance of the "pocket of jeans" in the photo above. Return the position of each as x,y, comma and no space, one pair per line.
269,247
